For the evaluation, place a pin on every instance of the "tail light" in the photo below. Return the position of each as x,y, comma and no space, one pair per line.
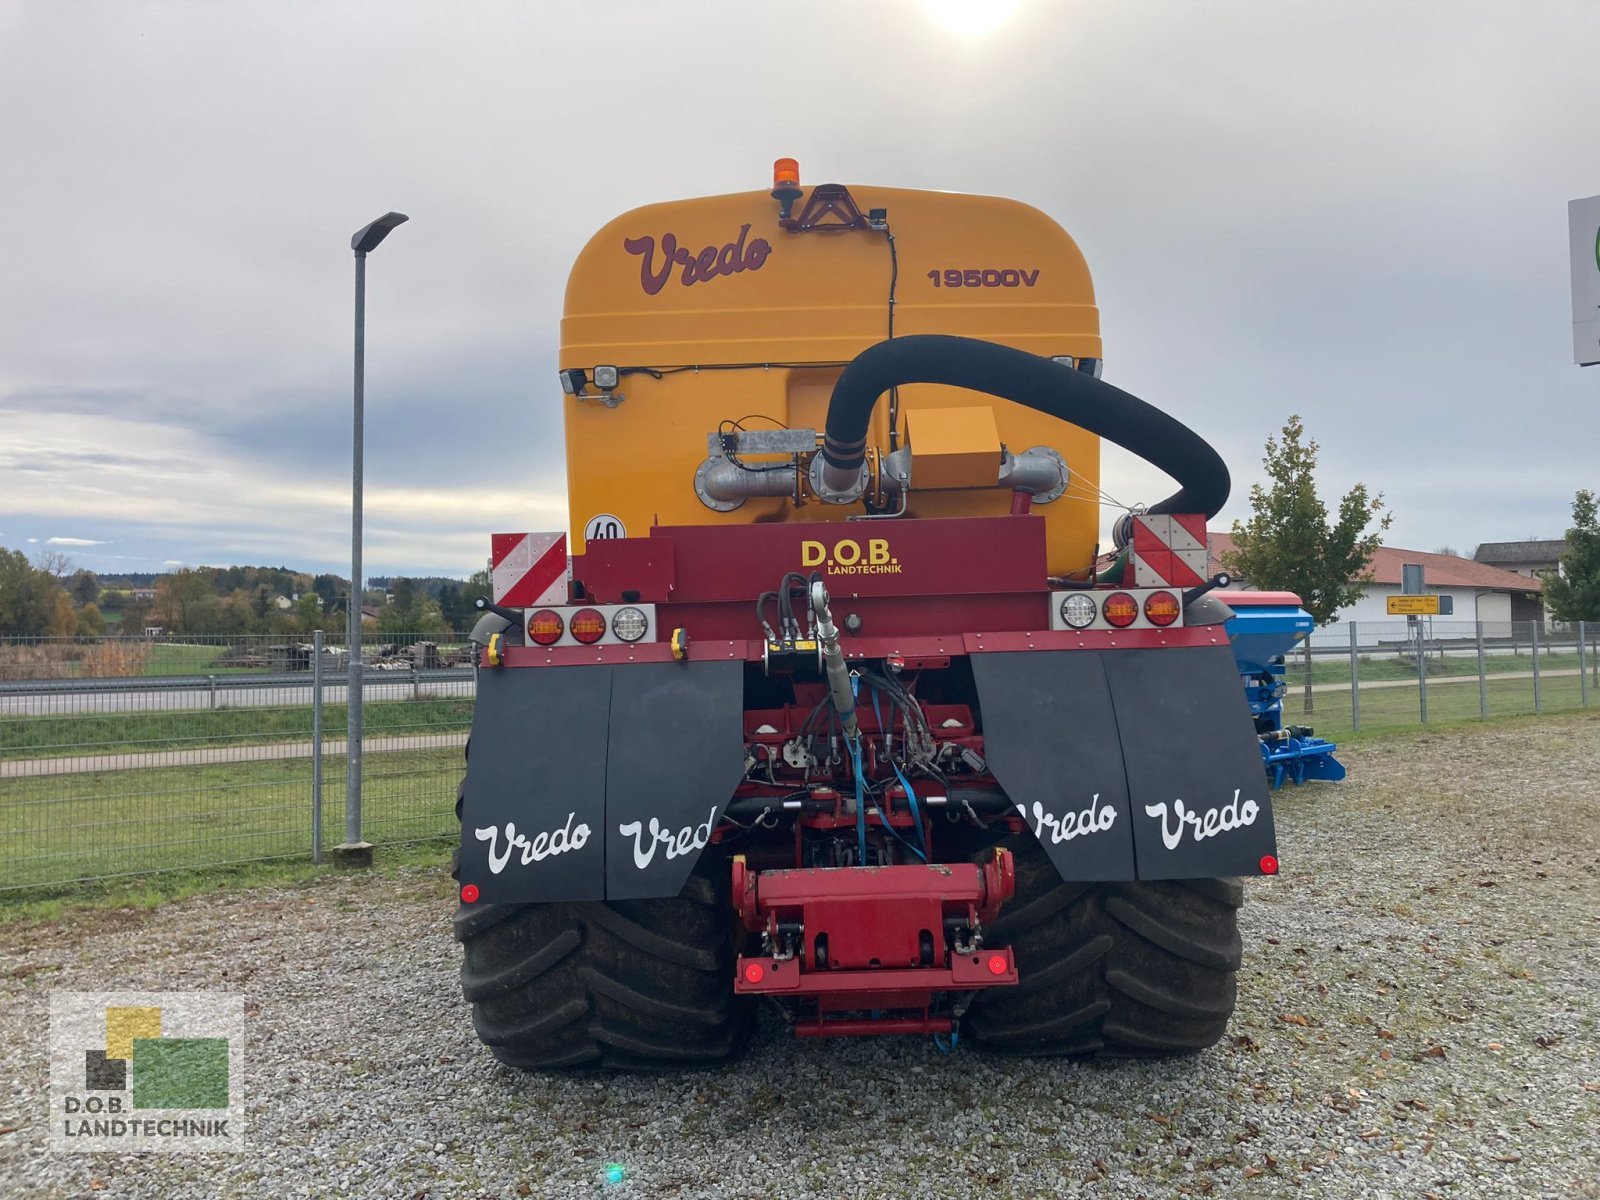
1078,610
629,624
1120,610
1161,608
544,627
588,626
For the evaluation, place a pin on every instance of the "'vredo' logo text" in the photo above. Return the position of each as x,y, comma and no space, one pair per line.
1202,825
535,849
729,259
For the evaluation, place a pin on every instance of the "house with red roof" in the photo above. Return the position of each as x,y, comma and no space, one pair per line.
1480,592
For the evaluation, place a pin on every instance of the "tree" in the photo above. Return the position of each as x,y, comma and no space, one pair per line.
85,588
1572,591
28,598
455,607
308,612
90,622
63,617
330,588
1288,544
185,601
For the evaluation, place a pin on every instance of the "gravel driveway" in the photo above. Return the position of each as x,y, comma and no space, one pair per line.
1417,1017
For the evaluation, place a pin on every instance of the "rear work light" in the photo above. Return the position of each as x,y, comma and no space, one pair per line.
1120,610
588,626
1161,608
1078,610
629,624
545,627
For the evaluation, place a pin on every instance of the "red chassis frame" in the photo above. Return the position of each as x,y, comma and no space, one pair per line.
864,947
873,939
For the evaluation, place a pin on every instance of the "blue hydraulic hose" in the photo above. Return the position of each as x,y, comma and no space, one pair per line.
861,802
911,796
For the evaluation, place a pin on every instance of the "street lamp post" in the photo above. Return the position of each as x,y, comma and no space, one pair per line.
354,851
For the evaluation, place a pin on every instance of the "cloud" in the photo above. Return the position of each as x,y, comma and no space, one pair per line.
1282,215
74,541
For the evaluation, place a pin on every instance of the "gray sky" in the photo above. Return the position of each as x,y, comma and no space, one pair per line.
1354,211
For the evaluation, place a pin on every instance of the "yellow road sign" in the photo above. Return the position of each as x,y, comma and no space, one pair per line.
1413,606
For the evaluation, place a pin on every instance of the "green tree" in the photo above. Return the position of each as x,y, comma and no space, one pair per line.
28,598
456,607
85,588
331,589
308,612
1572,591
90,622
1288,544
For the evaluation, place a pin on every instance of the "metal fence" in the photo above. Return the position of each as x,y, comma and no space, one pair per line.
1373,675
127,756
121,756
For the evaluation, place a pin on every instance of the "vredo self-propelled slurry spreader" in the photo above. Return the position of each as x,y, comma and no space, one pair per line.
831,699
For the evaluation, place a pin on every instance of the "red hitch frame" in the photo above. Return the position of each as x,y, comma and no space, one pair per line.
872,940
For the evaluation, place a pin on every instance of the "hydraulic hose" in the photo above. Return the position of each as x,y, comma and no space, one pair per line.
1049,387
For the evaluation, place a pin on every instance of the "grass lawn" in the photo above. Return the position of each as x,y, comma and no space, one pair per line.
56,829
58,736
1454,701
1376,667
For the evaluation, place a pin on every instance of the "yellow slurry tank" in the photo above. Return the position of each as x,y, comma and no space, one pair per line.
711,308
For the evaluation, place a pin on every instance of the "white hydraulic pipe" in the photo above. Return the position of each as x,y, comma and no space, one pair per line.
833,660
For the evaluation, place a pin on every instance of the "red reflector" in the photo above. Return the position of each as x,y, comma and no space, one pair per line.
544,627
1120,610
998,964
754,972
469,893
588,626
1161,608
1269,864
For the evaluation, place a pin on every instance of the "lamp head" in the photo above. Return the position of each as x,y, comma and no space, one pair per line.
368,236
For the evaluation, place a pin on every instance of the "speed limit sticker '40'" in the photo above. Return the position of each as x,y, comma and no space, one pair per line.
602,526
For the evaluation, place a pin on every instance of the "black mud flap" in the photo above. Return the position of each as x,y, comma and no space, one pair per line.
598,782
1129,764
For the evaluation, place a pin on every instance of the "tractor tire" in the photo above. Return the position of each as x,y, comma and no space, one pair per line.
631,985
1110,969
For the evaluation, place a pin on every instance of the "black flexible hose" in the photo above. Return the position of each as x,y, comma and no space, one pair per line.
1049,387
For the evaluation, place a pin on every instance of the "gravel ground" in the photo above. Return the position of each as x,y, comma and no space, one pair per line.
1417,1017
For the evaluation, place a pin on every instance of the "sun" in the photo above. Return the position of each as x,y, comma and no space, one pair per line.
970,18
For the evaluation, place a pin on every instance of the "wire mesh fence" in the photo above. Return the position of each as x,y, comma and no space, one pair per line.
1380,674
123,756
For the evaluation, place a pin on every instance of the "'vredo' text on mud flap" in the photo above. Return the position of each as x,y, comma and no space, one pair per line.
597,782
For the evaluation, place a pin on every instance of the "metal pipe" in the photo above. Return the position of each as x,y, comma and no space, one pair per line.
353,684
1583,677
833,660
725,481
316,747
1483,677
1533,627
1355,679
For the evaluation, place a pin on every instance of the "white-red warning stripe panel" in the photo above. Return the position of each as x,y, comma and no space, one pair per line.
1169,550
528,568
